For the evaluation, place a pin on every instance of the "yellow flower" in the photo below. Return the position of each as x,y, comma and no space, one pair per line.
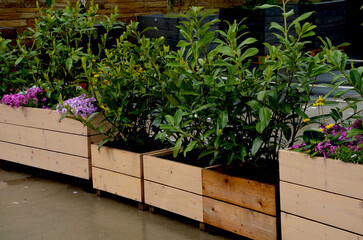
93,60
319,101
105,108
320,129
96,75
329,126
106,81
306,120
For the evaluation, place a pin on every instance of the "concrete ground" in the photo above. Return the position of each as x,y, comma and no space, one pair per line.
39,205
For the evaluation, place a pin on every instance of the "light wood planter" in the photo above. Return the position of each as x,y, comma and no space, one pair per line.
173,186
118,172
36,137
245,207
320,198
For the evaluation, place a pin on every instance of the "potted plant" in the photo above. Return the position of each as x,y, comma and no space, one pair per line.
50,70
323,178
127,87
239,117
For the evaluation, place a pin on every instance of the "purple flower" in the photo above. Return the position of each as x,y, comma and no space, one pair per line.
80,105
26,98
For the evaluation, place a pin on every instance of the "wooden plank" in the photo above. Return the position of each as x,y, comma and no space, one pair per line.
174,200
52,161
326,174
173,174
40,118
117,183
297,228
242,221
331,209
13,23
117,160
243,192
45,139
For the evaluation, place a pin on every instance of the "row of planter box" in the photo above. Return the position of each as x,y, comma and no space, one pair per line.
320,198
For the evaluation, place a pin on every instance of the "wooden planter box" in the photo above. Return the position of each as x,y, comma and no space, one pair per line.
167,27
330,18
258,23
173,186
36,137
118,172
245,207
320,198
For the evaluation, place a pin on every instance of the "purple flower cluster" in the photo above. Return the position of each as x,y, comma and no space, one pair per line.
325,148
335,137
80,105
30,97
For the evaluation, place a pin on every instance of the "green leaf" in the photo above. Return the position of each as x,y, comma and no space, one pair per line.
243,153
265,116
249,53
103,142
170,120
256,145
173,100
255,105
63,116
261,95
260,127
190,147
177,147
182,43
203,107
69,63
92,116
266,6
308,34
277,26
222,119
205,39
178,117
19,60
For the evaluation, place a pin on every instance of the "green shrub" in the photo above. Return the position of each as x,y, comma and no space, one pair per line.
233,112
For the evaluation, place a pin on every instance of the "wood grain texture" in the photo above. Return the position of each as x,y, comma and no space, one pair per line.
243,192
325,174
242,221
173,174
174,200
40,118
297,228
52,161
45,139
117,183
117,160
127,9
331,209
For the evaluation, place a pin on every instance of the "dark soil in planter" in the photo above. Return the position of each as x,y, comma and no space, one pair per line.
190,159
266,171
148,146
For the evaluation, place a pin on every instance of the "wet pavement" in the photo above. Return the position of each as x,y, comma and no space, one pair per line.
40,205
